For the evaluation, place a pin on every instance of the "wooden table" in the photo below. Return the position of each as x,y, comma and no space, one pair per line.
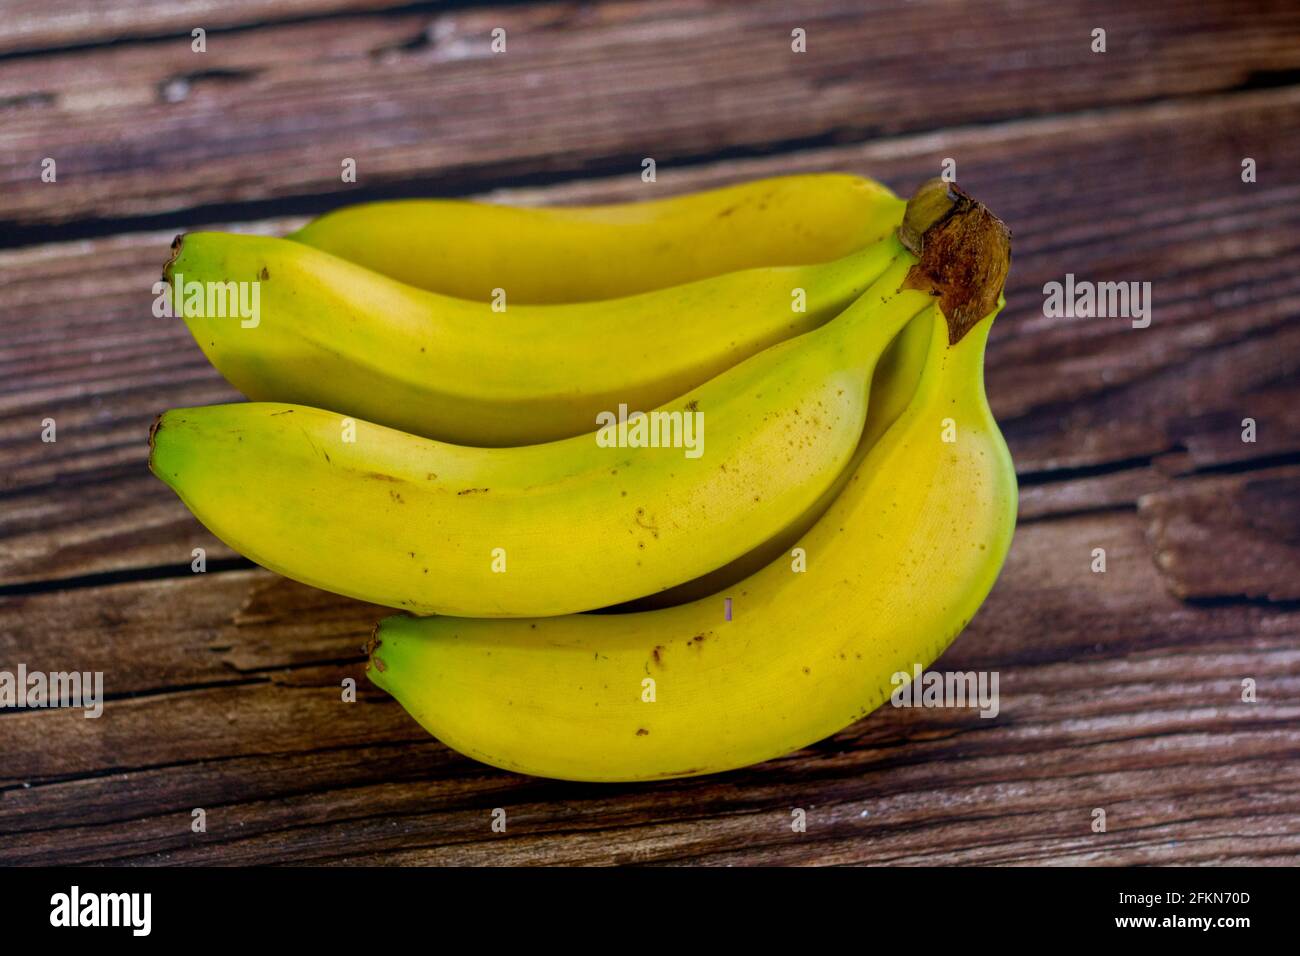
1120,690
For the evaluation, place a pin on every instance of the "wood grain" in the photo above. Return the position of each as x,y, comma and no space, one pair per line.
1235,537
1113,694
1224,342
1120,690
423,105
38,25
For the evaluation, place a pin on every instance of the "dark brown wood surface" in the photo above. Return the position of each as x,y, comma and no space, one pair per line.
1119,690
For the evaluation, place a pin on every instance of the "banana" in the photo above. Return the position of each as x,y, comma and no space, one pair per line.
895,570
575,253
892,387
332,334
541,529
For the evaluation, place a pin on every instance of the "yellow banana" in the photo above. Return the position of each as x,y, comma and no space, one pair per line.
892,387
332,334
542,529
577,253
895,570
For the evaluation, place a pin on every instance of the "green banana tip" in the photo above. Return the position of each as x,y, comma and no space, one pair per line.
162,450
963,253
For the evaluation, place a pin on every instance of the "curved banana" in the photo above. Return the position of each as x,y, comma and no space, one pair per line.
896,568
892,388
542,529
332,334
580,253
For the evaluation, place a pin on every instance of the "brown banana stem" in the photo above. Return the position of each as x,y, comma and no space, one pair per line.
964,252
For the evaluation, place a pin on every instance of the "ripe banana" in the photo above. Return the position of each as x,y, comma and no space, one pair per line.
542,529
892,388
576,253
895,570
332,334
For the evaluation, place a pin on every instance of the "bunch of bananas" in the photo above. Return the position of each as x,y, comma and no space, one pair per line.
477,467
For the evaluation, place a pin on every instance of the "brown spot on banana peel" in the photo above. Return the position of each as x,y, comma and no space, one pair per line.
177,243
373,645
963,252
153,431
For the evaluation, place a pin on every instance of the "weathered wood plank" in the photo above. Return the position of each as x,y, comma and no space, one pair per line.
185,631
1118,489
1224,342
33,25
1113,694
225,687
871,812
423,105
1232,537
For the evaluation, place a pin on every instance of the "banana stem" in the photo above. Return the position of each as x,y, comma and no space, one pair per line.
963,253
